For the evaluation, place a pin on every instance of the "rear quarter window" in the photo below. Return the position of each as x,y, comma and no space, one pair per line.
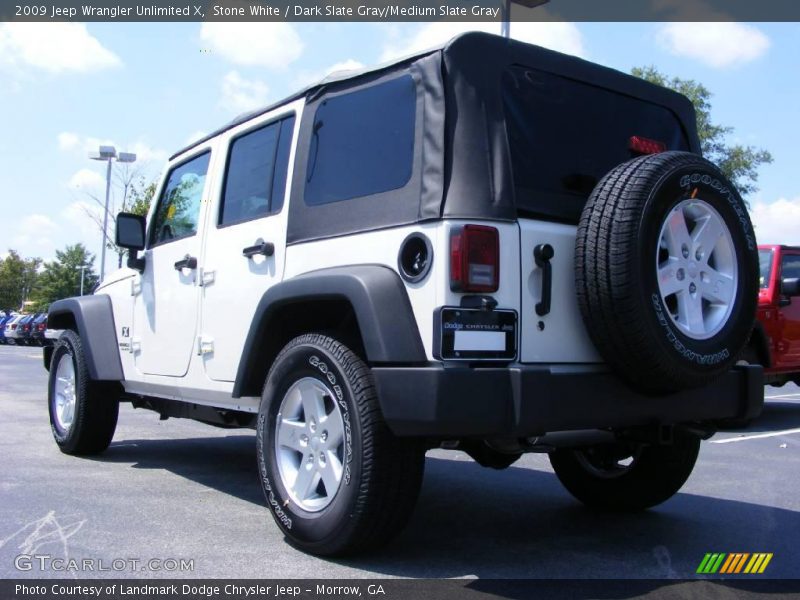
362,143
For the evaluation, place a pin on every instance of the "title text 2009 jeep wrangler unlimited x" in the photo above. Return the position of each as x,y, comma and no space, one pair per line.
488,245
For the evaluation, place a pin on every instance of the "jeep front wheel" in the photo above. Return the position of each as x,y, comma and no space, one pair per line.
83,413
335,478
626,477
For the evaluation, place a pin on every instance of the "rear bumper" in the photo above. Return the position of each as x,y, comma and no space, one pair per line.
525,400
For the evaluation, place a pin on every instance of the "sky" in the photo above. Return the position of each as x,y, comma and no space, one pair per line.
151,88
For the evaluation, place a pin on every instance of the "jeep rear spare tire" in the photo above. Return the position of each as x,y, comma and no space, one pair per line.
667,271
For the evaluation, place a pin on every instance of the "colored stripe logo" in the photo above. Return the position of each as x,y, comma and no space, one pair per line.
734,563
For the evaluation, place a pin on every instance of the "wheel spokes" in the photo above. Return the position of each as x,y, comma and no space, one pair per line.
290,435
705,236
309,439
690,312
307,478
333,428
313,404
669,277
717,287
331,472
696,268
65,393
677,234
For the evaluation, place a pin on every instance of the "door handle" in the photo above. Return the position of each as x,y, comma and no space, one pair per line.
188,262
542,254
263,248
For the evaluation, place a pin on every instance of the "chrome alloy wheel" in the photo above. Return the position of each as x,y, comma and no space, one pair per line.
697,269
65,394
309,444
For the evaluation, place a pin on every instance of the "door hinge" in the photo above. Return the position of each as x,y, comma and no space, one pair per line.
206,277
205,345
136,286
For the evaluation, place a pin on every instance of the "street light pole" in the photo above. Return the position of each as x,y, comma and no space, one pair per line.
505,26
105,226
82,268
108,154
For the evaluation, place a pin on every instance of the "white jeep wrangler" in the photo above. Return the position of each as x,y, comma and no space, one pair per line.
488,246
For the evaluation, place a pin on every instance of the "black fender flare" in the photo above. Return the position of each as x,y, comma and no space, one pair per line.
380,303
93,319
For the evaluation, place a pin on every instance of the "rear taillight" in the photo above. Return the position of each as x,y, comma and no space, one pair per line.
474,259
41,326
643,145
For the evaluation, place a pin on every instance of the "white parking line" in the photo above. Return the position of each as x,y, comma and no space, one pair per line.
757,436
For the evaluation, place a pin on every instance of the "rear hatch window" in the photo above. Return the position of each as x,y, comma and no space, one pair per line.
565,135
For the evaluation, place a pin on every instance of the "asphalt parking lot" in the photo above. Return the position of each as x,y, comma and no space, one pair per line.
175,489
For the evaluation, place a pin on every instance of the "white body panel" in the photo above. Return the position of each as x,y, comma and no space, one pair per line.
166,305
234,284
379,248
119,287
563,339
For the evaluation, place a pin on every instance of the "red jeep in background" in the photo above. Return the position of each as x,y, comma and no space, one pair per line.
775,341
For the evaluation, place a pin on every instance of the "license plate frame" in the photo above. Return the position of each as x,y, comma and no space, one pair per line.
471,334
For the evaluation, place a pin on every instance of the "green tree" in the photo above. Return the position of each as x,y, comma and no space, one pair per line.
17,278
61,278
140,196
140,193
739,163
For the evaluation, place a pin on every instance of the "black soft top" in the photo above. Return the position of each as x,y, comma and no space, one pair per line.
462,146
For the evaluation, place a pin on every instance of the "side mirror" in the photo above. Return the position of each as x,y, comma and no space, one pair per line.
790,287
130,235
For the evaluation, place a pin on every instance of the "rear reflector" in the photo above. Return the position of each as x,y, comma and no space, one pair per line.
642,145
474,259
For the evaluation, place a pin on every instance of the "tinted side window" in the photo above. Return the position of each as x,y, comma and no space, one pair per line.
362,143
790,266
179,205
255,178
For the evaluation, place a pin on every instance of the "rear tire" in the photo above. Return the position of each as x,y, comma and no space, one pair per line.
83,413
336,480
626,477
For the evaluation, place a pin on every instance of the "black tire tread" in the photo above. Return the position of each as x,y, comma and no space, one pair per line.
96,412
392,468
657,475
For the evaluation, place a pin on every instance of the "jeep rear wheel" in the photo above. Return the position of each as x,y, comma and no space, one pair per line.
335,478
667,271
83,413
626,477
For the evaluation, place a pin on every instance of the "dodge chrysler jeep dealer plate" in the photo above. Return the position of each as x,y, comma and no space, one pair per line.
474,334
